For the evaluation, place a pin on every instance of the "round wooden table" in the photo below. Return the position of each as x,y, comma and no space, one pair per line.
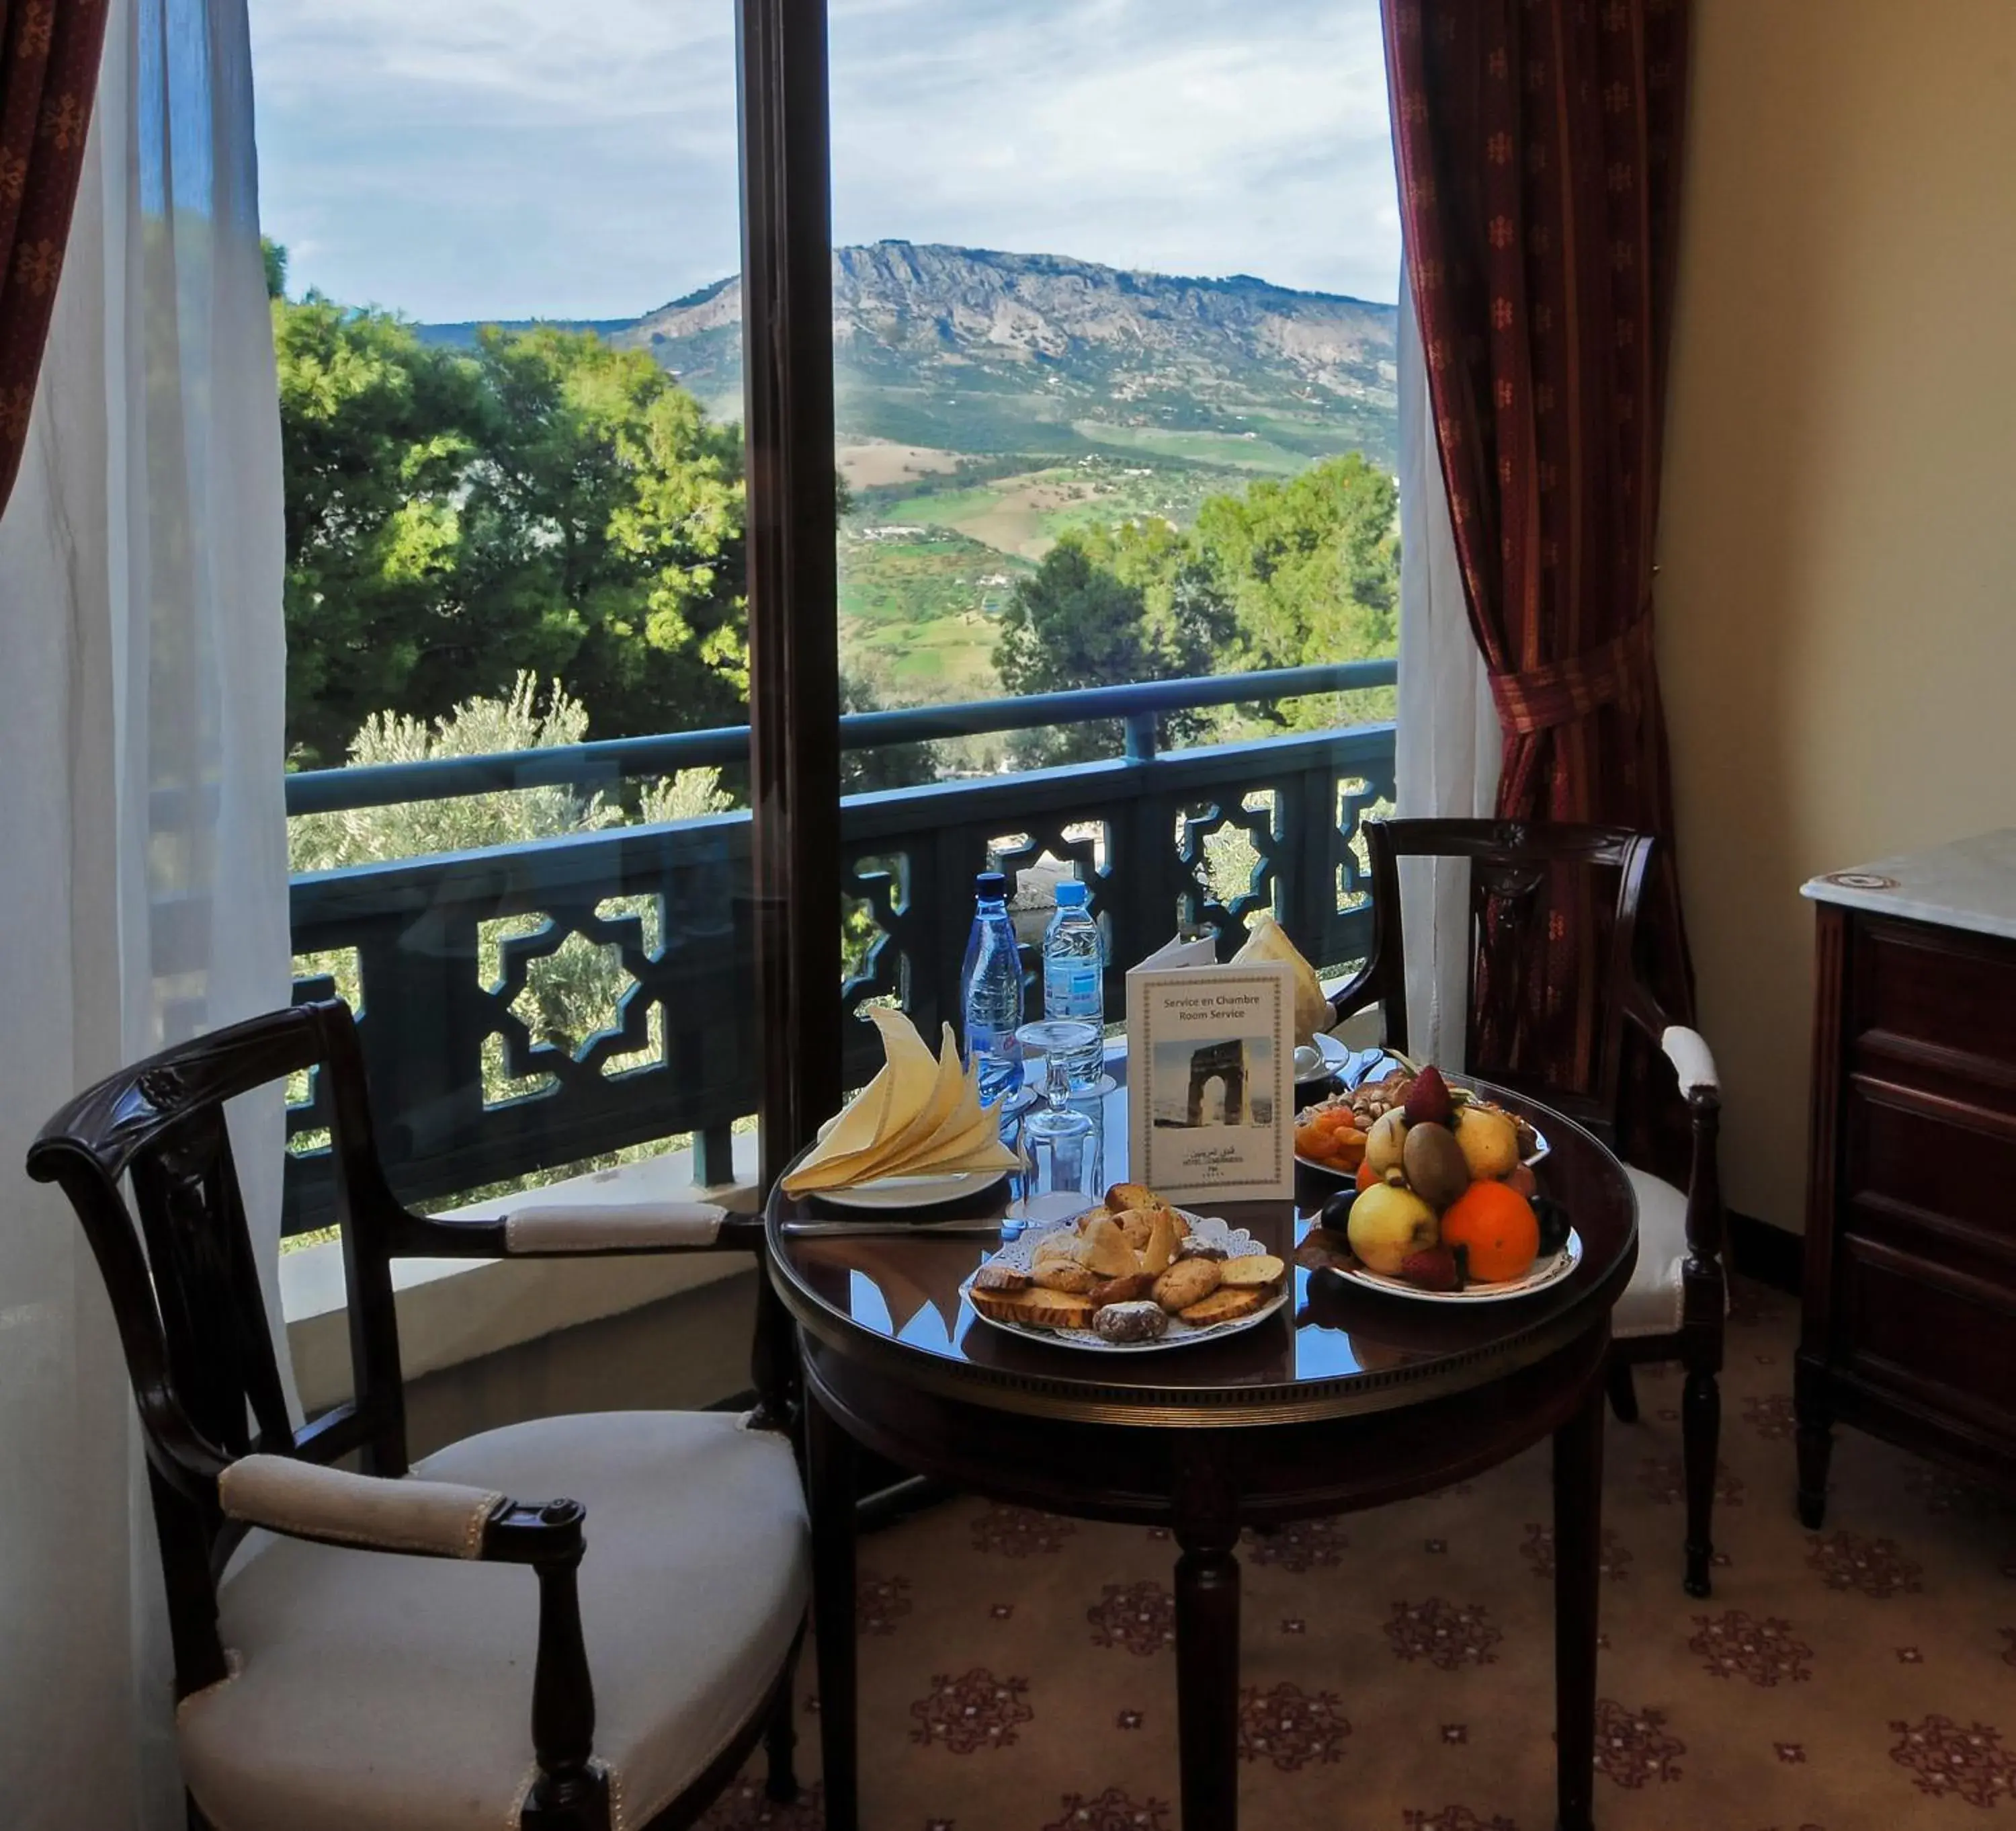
1346,1398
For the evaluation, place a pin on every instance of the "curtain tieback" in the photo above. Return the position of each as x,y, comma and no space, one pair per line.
1559,693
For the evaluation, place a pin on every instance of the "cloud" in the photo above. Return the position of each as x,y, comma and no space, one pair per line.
470,158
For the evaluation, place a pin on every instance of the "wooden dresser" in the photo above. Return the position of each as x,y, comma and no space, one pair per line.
1910,1271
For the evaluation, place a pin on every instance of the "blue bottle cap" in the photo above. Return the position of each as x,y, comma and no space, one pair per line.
990,886
1071,893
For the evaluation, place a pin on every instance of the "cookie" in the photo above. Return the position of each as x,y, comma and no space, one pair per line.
1042,1309
1259,1270
1187,1281
1065,1275
1125,1289
1136,1225
1123,1196
1160,1253
1104,1248
1196,1246
1226,1304
1131,1322
1000,1278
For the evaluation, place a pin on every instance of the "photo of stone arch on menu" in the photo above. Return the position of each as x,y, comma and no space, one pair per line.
1211,1073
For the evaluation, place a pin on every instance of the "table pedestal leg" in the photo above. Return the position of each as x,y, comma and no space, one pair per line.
1207,1679
829,1489
1578,1548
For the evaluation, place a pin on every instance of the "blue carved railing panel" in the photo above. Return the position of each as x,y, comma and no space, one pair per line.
1134,827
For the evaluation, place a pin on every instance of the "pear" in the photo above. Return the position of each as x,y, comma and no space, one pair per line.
1389,1225
1384,1143
1490,1143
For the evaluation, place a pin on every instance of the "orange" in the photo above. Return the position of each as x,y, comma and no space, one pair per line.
1367,1176
1498,1224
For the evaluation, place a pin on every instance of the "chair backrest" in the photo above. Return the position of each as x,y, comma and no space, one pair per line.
178,1266
1559,1007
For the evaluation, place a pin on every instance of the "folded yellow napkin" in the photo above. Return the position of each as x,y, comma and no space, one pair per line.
918,1117
1267,940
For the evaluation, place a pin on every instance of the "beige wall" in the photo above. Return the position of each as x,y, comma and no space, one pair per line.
1837,599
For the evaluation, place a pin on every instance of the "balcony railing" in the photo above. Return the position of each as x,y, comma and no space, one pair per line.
679,1056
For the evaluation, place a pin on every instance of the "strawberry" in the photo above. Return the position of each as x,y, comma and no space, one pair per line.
1428,1101
1435,1268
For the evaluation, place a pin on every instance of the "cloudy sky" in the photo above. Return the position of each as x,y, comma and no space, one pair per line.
513,158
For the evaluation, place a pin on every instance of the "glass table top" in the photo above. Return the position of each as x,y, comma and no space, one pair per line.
900,1290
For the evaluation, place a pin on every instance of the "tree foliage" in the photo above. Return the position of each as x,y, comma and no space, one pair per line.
542,502
1281,574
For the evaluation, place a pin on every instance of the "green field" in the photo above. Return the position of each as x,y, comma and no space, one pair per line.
917,613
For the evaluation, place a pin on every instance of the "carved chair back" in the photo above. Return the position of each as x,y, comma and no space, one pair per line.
178,1262
1521,875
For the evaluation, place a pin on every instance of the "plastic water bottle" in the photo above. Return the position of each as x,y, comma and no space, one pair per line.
990,991
1074,975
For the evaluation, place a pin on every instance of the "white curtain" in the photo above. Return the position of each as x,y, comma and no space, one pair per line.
144,893
1447,752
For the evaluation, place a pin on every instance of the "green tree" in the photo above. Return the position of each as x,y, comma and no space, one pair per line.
375,445
544,502
603,534
1310,568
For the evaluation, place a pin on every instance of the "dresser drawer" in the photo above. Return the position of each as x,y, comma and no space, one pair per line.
1932,1337
1931,1176
1936,987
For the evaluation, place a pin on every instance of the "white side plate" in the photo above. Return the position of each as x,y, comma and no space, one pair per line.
911,1191
1237,1242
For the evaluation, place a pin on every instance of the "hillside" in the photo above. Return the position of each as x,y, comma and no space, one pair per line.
973,352
987,402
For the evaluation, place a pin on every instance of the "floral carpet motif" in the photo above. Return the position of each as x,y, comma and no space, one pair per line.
1443,1634
976,1711
1875,1566
1139,1617
1290,1728
1014,1673
1732,1645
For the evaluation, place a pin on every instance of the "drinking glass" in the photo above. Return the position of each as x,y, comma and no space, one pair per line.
1060,1144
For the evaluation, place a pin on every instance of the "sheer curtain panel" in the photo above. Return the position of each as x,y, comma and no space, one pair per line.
144,894
1446,744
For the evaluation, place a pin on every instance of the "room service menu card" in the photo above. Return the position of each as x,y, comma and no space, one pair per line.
1211,1078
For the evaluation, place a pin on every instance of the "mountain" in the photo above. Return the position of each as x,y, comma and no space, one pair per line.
971,351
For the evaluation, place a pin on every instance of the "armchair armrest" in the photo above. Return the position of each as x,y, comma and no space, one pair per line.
305,1500
540,1228
449,1519
1688,1051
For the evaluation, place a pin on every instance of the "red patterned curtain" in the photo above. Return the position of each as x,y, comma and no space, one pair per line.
1538,147
48,74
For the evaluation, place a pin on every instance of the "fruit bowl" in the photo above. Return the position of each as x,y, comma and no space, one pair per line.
1368,1102
1443,1197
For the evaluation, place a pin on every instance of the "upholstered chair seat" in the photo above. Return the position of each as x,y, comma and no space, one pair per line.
393,1692
1653,1302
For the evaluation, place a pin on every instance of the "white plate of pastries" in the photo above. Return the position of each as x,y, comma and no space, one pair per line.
1134,1277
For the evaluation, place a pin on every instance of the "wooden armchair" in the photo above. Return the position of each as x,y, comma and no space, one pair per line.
349,1664
1674,1307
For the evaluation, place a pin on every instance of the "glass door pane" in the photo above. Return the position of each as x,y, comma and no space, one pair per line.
505,242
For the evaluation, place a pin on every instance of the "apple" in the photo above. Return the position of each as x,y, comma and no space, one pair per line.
1389,1222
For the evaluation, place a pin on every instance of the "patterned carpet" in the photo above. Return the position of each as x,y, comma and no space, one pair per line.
1017,1675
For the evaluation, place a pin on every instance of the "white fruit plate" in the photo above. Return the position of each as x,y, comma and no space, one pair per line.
1237,1242
1550,1268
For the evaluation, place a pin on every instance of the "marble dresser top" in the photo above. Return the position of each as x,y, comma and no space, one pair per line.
1971,884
